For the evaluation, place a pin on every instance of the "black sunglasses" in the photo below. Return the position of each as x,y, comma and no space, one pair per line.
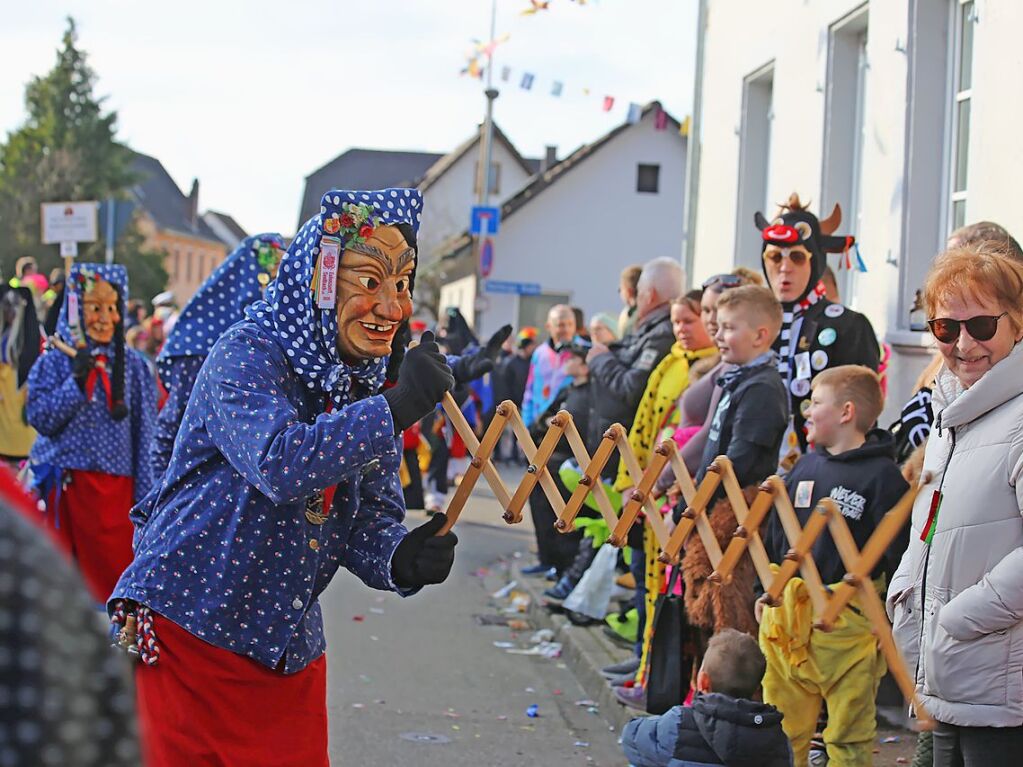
981,328
724,280
797,257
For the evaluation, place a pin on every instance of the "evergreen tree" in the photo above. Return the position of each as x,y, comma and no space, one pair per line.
66,150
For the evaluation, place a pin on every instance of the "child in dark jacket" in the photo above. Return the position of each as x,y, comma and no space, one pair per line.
724,726
854,466
752,414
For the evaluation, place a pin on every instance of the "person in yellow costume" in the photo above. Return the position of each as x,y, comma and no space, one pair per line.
19,348
693,355
853,464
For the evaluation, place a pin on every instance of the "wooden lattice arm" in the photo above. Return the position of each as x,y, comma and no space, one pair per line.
566,523
537,464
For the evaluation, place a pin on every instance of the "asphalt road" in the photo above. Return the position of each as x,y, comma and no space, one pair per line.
418,681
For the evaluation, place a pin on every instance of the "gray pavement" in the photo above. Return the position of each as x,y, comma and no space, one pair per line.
419,681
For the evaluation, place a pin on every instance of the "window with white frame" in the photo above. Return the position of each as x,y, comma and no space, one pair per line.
754,163
961,84
842,168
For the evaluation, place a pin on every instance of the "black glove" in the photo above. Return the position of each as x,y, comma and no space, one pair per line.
399,345
81,366
423,557
472,366
422,380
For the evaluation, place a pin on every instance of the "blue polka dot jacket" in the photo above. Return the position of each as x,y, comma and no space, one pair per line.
223,546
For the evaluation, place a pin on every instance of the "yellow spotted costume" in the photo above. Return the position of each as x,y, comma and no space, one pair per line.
657,412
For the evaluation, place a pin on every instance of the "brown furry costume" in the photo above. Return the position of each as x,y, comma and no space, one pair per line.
714,607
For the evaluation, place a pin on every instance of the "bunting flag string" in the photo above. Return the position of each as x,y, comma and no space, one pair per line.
536,6
529,81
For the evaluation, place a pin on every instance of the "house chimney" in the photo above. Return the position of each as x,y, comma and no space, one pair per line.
549,159
193,204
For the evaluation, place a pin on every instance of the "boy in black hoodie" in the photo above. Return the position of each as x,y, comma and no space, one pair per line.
724,725
853,464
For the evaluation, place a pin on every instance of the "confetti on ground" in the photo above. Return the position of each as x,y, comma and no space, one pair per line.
533,711
891,739
358,618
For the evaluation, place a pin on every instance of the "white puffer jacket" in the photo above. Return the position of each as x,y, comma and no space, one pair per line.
968,647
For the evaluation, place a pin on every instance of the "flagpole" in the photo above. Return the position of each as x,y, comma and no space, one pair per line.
486,142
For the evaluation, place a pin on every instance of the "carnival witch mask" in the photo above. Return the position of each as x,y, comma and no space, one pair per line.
101,311
374,294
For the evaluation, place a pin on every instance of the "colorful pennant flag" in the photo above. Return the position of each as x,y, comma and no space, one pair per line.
527,81
505,73
556,88
609,102
635,113
661,119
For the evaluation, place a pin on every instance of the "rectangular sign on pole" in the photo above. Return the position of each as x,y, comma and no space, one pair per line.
69,222
485,220
69,249
519,288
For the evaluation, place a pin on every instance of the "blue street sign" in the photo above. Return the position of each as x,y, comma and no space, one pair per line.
487,257
520,288
481,214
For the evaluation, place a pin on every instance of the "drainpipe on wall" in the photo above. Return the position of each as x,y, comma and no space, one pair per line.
689,204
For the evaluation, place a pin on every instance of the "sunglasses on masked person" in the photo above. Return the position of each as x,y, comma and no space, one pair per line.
981,328
797,257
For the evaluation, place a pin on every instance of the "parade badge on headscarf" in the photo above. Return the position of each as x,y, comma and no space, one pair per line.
299,308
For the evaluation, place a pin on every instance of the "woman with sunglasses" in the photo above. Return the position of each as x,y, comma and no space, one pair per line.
956,600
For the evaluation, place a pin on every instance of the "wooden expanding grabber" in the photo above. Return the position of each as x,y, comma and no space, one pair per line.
827,603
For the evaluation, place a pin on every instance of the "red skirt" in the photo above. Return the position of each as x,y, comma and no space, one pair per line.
94,527
201,706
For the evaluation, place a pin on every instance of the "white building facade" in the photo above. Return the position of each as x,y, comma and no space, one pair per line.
902,111
566,237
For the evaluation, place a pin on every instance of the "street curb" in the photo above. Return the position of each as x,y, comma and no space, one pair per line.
583,648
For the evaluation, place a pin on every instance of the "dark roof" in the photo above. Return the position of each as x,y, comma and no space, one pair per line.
543,180
230,224
442,165
157,194
363,169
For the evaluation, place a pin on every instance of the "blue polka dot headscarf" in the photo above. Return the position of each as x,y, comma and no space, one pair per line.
221,299
307,333
74,289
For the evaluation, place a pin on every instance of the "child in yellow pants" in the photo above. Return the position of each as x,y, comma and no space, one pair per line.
854,466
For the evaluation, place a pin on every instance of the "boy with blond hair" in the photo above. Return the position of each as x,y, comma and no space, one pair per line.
852,464
752,414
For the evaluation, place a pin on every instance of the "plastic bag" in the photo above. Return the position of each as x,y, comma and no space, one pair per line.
592,594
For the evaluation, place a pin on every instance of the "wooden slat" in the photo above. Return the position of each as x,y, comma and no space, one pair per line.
736,499
591,475
872,607
798,553
521,433
472,444
472,474
790,524
867,560
582,457
538,463
639,498
737,546
699,502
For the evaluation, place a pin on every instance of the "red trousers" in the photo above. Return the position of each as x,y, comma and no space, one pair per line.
201,706
94,527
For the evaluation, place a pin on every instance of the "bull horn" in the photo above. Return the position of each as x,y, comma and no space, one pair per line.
832,222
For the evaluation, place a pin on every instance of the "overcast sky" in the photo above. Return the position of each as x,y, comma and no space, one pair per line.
250,97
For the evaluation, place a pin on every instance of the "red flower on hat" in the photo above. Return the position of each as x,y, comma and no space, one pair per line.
347,220
365,231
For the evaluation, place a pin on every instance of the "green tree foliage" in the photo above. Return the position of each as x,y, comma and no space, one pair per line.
66,150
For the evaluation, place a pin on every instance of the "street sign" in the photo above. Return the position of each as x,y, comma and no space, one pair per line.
485,220
69,249
487,257
519,288
69,222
